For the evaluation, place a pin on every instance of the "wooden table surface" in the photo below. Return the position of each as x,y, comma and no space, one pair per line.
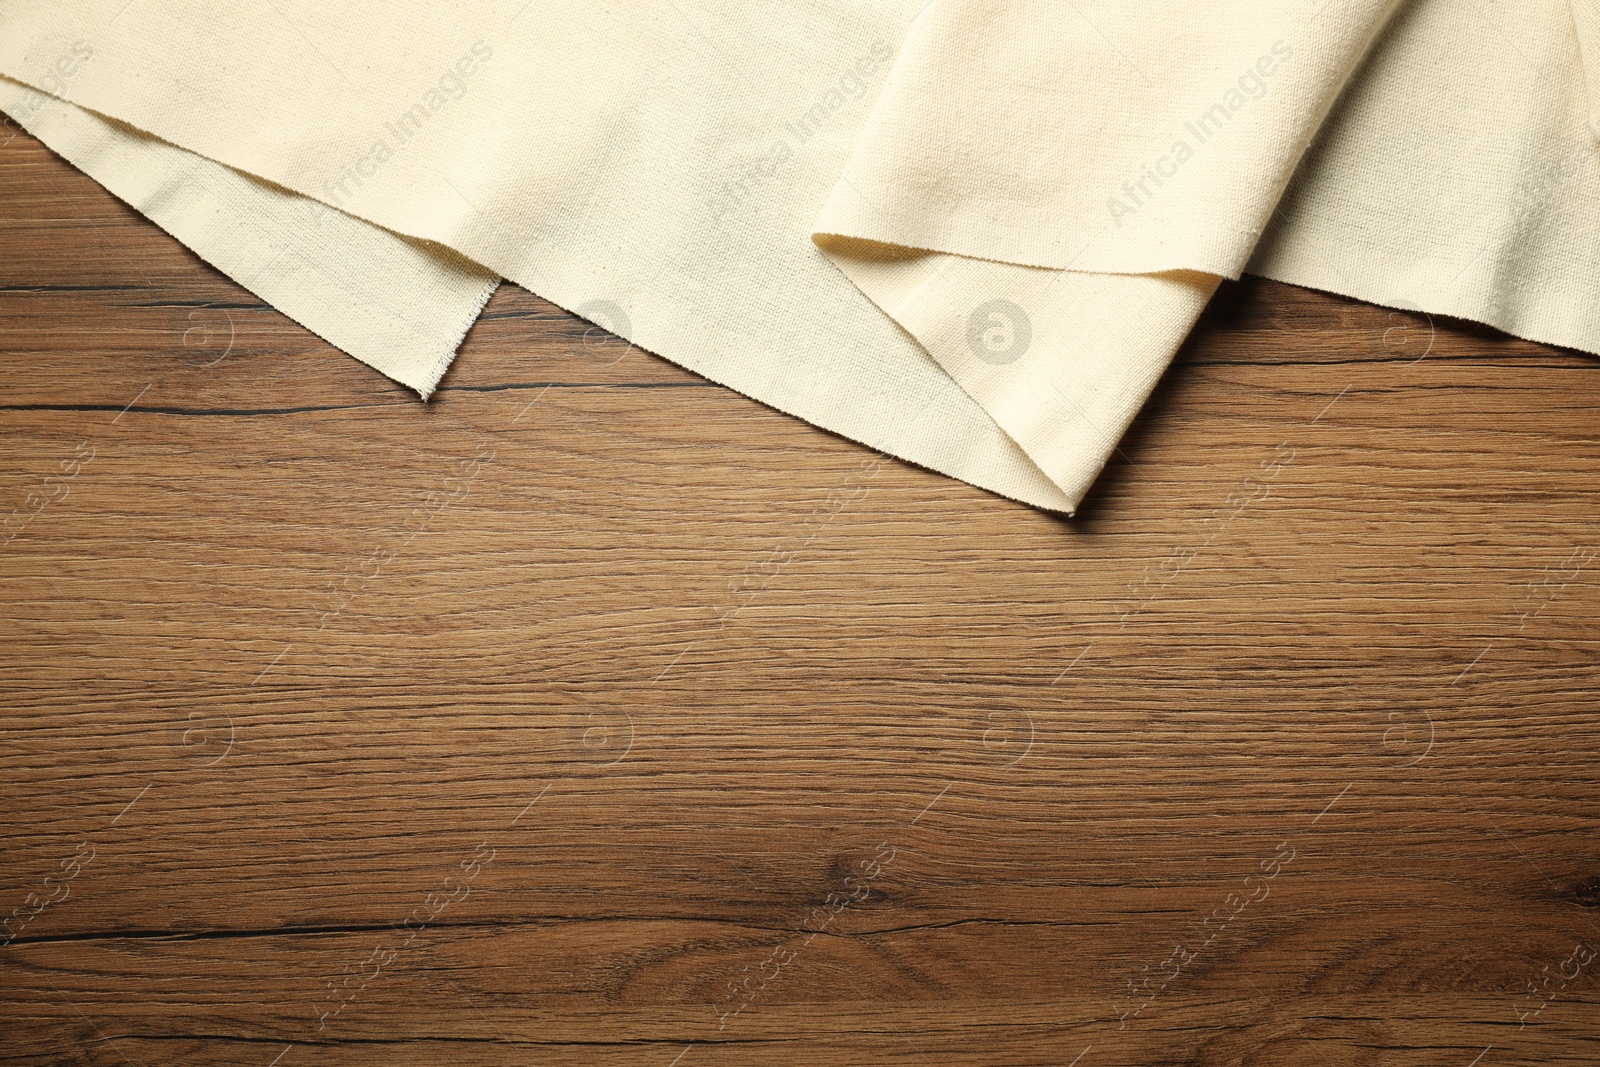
595,714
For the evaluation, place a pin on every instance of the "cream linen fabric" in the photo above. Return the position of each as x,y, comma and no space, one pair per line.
655,167
1441,161
1051,239
397,305
1459,176
1042,197
1586,21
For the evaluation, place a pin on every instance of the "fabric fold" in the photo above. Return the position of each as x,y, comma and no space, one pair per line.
1459,175
1048,218
1130,137
971,233
1062,360
655,168
398,305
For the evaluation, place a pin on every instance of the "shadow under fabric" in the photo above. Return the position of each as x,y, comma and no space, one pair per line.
1046,200
972,237
585,151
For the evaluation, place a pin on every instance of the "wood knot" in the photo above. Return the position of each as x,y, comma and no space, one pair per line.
1587,892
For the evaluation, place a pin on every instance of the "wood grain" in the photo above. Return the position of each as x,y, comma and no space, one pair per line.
594,714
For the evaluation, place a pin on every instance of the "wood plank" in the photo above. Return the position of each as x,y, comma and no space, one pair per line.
592,713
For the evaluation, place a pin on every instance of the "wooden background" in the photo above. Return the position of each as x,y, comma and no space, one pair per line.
594,714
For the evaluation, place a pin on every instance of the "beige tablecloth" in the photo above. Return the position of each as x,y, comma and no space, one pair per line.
971,233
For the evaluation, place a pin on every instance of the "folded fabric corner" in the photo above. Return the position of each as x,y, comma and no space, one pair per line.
1062,360
1048,220
971,233
399,305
